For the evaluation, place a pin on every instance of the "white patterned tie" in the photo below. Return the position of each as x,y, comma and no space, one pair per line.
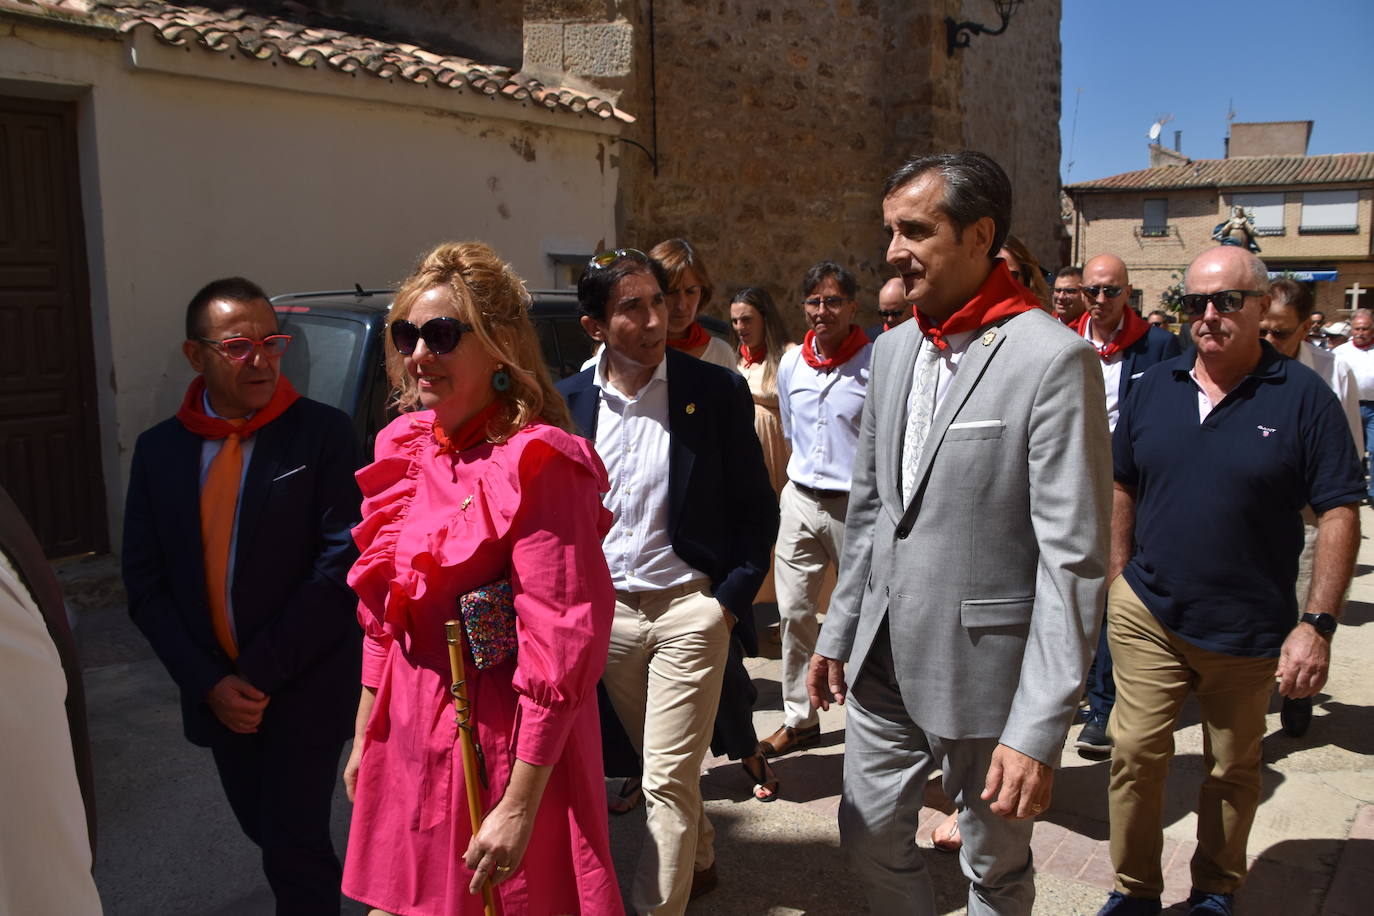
921,413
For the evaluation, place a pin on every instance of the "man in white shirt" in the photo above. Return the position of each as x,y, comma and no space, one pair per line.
1126,345
1358,354
1286,325
821,388
693,521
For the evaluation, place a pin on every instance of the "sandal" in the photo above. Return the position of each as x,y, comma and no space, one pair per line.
764,781
627,798
946,837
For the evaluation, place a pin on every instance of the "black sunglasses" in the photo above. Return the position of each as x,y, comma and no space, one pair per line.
440,335
889,315
1226,300
1111,291
607,258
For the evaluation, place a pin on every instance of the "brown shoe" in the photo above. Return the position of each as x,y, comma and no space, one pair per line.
788,739
704,881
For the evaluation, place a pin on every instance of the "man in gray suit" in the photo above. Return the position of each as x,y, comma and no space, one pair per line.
975,552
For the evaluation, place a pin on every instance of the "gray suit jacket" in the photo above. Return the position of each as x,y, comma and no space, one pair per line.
992,580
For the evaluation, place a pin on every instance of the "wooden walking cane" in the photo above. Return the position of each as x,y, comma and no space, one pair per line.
473,766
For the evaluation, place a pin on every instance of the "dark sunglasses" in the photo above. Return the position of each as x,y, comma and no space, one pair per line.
440,335
240,348
1111,291
607,258
891,316
1067,291
1226,300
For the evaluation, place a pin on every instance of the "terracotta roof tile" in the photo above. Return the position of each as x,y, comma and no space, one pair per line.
303,37
1247,171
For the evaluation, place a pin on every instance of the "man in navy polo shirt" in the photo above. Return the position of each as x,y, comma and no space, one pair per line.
1206,532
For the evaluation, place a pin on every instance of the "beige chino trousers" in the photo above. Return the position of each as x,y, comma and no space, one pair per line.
1155,670
663,675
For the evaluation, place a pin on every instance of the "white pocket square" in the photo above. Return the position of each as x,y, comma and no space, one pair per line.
288,474
974,424
1136,375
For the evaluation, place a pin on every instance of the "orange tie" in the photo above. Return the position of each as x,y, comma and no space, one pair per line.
219,499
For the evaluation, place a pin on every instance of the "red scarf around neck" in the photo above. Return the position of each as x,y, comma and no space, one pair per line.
696,339
855,342
193,416
472,432
999,297
1133,327
754,356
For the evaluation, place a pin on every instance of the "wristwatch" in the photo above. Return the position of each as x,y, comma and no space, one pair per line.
1324,624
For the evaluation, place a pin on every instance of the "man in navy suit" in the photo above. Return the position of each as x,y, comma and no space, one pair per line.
694,520
1128,345
267,662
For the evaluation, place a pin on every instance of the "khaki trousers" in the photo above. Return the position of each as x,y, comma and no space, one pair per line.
1155,671
810,538
663,675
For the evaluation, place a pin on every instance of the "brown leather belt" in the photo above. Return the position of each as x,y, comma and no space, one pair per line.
819,494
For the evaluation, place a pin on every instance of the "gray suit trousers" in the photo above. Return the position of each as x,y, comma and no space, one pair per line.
888,759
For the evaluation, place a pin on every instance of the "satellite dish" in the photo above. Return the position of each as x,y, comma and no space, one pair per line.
1155,128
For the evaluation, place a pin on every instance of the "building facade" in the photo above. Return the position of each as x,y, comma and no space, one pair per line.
763,132
1311,214
148,148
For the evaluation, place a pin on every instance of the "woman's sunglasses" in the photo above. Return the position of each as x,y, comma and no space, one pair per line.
607,258
440,335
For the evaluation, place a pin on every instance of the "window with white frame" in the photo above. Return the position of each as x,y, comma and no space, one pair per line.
1155,221
1265,210
1330,211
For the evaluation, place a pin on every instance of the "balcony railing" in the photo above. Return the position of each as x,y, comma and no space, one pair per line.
1156,232
1349,229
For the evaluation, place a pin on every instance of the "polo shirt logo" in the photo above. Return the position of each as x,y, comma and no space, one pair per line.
1265,430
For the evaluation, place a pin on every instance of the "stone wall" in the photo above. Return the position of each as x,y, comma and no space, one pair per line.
775,125
485,30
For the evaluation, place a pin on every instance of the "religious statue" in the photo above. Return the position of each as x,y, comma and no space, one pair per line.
1239,230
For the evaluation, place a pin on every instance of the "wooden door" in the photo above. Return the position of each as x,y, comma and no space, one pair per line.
49,429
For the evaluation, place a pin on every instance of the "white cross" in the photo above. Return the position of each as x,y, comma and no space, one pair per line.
1355,292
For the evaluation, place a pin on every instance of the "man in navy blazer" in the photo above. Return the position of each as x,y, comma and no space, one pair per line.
268,682
1128,346
694,521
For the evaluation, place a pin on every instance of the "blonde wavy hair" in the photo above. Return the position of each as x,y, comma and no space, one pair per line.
489,296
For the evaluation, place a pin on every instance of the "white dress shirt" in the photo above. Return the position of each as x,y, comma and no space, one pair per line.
1361,363
632,440
820,417
1341,380
1111,370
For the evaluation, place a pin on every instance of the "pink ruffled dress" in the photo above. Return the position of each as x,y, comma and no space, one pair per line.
435,526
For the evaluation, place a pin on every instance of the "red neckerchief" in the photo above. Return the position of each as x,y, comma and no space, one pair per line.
999,297
1358,347
193,416
855,342
1133,327
754,356
696,339
472,432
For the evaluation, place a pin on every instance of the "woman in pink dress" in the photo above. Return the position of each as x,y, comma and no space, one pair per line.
479,482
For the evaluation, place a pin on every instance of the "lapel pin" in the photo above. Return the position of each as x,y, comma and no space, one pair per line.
989,337
467,501
691,408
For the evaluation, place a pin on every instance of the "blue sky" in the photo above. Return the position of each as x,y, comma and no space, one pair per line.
1269,60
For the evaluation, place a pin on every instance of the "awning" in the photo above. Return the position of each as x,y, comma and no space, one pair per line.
1307,275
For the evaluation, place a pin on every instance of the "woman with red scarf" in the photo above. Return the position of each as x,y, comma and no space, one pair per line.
688,292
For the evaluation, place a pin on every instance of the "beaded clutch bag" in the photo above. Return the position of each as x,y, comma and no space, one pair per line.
488,615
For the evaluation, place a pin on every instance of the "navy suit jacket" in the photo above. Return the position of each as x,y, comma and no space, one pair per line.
1156,346
294,613
722,515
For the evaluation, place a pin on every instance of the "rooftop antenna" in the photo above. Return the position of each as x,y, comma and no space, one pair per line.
1073,132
